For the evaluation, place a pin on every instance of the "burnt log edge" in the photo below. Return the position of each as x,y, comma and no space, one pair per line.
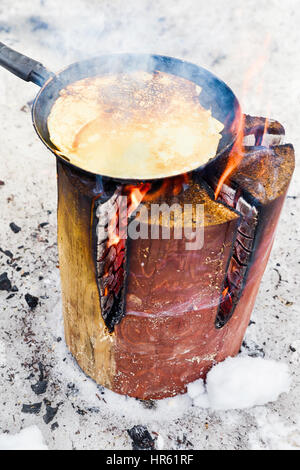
113,308
257,127
230,299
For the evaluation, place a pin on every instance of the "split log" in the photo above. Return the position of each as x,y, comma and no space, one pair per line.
145,317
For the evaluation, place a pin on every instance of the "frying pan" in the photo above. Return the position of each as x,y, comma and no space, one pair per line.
215,94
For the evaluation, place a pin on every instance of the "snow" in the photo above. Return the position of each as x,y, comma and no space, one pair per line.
244,382
28,198
237,383
241,382
196,388
2,354
273,433
29,438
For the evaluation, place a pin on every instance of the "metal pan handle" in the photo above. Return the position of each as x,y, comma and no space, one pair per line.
24,67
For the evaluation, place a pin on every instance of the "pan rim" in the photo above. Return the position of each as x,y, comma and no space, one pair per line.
173,60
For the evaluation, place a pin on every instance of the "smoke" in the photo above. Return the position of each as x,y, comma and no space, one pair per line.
74,30
224,39
59,33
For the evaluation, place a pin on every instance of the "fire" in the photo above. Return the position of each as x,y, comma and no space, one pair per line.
225,291
113,240
237,151
113,236
136,193
265,130
170,186
226,300
235,156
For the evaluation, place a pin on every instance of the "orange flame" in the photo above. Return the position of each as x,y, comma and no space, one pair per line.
135,195
226,298
237,151
170,186
224,293
113,240
234,158
266,126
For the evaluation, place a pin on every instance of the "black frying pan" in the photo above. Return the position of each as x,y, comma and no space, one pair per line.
215,94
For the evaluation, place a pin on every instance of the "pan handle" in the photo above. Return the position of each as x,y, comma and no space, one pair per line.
28,69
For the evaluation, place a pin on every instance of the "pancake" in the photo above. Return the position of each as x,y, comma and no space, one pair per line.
136,125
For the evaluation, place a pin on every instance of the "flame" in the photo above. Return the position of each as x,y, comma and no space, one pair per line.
235,156
113,236
144,191
170,186
237,151
224,293
266,126
227,298
113,240
136,196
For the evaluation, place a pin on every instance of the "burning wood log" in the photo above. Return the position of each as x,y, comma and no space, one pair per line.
145,316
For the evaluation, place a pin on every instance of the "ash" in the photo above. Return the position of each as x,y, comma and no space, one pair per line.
35,366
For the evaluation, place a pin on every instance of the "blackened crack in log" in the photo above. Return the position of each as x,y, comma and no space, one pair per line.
111,263
261,178
241,255
242,250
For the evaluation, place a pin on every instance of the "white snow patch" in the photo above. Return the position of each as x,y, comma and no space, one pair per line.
29,438
163,410
273,434
241,382
2,354
197,392
236,383
196,388
160,443
202,401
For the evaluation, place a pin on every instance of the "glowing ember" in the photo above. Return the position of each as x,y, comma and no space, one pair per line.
225,291
226,303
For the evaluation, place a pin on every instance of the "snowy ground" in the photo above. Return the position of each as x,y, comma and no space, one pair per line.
72,412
